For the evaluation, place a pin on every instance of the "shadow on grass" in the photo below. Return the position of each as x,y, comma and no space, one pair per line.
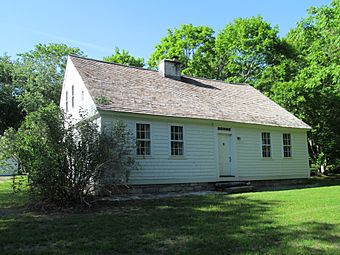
10,200
210,225
191,225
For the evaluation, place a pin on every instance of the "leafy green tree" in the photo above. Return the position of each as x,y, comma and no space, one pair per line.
125,58
10,112
244,48
42,73
65,162
191,45
313,93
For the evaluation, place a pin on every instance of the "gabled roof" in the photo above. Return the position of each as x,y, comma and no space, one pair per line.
138,90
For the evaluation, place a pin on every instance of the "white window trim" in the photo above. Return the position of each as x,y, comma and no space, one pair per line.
135,133
184,142
271,145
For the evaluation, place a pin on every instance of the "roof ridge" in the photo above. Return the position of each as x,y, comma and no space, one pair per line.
111,63
146,69
215,80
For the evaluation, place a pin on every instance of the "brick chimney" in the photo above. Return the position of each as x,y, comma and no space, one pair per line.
170,68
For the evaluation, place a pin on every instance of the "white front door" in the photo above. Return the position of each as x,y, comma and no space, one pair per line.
224,155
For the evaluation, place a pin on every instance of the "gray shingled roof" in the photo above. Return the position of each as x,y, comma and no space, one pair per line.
137,90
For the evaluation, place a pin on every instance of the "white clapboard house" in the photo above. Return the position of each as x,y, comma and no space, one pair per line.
189,129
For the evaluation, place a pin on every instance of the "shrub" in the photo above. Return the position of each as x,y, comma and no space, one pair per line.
66,162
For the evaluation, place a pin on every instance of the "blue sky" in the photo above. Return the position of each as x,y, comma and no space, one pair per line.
98,26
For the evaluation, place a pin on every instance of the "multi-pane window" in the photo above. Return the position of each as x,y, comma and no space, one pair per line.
287,145
72,96
66,101
143,139
177,143
266,150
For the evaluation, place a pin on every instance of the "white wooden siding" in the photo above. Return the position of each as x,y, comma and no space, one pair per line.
251,164
199,163
82,102
8,167
196,165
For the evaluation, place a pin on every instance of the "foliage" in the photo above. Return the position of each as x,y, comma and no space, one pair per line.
191,45
42,73
313,93
125,58
104,100
10,112
66,161
116,146
244,49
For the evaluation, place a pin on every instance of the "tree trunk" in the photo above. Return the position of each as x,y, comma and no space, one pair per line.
322,168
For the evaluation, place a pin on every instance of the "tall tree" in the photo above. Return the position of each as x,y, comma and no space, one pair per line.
244,49
191,45
42,73
313,93
125,58
10,112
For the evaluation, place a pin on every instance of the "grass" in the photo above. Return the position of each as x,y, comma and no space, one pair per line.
300,221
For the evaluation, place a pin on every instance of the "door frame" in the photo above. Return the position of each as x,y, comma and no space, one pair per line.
227,130
227,138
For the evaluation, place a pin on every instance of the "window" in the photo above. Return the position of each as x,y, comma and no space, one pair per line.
223,129
66,100
72,96
82,96
143,139
177,143
287,145
266,150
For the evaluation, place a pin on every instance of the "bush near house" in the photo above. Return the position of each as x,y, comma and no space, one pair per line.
66,162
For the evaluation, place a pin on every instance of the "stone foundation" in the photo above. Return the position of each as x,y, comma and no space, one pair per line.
278,184
168,188
201,186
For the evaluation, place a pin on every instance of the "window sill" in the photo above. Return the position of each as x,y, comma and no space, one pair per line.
143,156
177,157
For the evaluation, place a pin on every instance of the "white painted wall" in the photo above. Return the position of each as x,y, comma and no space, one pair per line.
8,167
197,164
251,165
82,99
200,162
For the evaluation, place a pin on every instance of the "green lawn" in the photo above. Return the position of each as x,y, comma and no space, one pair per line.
300,221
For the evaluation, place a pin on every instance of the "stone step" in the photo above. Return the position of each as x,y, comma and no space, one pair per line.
223,185
239,189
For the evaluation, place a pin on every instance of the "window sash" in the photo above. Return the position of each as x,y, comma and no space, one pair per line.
266,145
287,145
287,151
143,147
177,141
143,140
266,151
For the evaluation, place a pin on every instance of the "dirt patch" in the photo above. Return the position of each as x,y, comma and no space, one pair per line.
5,178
